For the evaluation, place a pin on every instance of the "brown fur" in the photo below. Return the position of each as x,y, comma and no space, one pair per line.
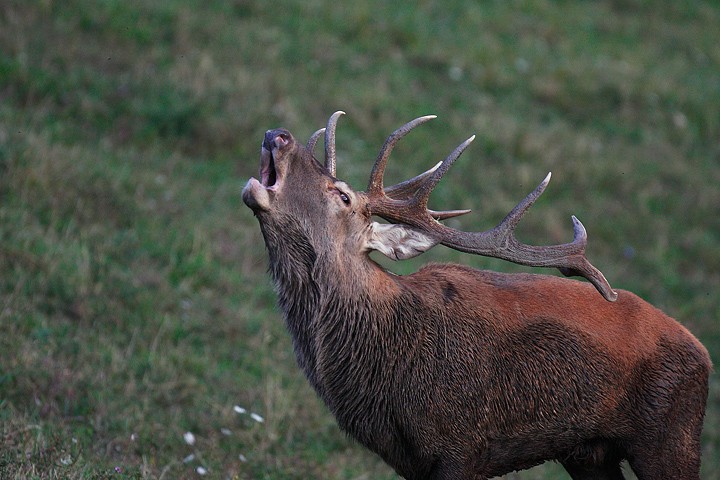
456,373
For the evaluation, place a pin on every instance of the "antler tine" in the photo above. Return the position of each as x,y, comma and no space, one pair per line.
445,214
407,189
513,218
423,192
375,186
312,141
587,270
330,159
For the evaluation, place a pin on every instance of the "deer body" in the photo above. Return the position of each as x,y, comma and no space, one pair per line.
457,373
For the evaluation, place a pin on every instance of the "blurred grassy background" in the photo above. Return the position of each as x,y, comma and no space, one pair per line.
134,301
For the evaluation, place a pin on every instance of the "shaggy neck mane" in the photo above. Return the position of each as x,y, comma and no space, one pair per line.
323,304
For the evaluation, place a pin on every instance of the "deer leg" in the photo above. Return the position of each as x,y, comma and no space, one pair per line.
454,470
669,461
671,447
677,456
606,471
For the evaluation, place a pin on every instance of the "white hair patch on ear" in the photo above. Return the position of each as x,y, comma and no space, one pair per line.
398,242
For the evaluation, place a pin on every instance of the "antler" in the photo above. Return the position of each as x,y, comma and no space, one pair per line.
330,156
406,203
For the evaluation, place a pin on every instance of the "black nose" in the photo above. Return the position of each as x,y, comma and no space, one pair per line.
277,138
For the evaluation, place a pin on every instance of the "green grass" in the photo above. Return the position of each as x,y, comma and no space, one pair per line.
134,300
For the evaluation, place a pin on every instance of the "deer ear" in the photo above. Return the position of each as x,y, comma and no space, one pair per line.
398,242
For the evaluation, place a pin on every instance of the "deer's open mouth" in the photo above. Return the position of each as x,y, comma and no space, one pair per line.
259,194
274,145
268,171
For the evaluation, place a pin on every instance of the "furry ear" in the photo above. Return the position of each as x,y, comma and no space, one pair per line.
398,242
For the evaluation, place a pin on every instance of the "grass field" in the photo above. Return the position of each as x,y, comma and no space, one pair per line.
135,306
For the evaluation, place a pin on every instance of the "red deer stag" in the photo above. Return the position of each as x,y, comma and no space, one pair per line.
457,373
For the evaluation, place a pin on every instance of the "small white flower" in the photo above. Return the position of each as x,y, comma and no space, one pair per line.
242,458
189,458
226,431
201,470
189,438
257,417
133,437
522,65
239,409
680,120
455,73
74,440
66,460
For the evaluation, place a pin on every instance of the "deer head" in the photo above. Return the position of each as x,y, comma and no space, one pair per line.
296,189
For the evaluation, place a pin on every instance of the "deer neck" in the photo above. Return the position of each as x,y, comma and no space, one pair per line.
318,291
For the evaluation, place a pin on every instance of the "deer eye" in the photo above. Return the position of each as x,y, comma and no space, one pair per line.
345,198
